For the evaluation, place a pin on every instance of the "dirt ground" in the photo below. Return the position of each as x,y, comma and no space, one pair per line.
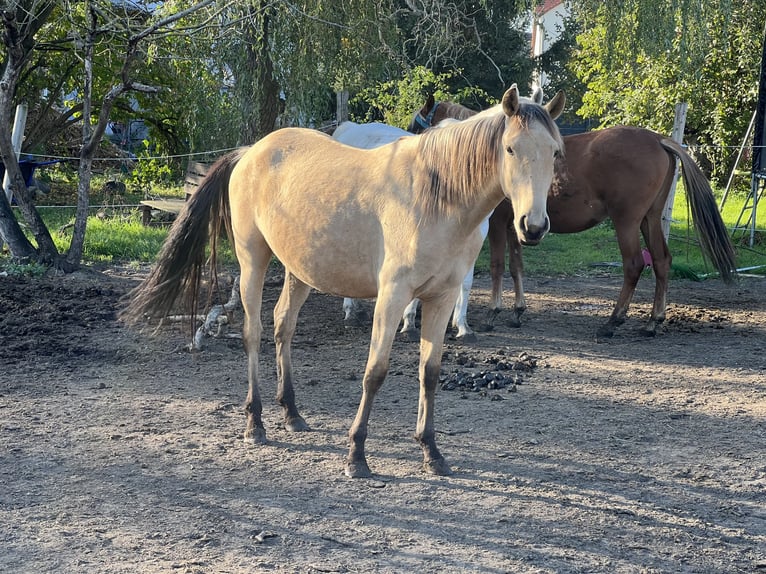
122,452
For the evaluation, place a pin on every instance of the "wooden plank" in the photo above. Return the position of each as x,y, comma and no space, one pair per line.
195,173
169,205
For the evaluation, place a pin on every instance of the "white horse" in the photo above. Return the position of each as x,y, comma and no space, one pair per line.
372,135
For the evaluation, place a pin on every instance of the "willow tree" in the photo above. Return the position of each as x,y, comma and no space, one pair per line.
116,32
639,58
280,63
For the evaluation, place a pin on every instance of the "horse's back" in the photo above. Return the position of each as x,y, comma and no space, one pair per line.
613,172
367,136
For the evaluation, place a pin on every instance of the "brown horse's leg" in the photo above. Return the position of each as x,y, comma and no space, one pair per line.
497,234
253,263
388,311
516,265
651,228
292,298
632,265
435,316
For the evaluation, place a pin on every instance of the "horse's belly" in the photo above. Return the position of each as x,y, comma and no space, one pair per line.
574,213
335,259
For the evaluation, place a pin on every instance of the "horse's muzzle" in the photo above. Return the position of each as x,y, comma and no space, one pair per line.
532,234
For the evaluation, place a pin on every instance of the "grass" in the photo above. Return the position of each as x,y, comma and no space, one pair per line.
116,234
595,251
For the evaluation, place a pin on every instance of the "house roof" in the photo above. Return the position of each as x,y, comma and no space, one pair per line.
546,6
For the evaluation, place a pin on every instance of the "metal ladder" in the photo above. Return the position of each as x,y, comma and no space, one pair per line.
748,212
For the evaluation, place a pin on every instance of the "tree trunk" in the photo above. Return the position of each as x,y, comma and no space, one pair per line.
12,235
19,42
262,92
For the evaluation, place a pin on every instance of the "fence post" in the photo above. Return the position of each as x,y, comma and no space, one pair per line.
341,109
17,137
678,136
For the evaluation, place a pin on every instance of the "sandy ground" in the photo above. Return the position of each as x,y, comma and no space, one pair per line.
122,452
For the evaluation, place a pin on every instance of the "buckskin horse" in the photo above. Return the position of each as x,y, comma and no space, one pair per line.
395,222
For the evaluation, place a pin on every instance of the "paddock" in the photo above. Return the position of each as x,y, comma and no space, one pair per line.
122,452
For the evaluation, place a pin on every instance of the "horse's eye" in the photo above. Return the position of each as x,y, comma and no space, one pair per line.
509,150
557,154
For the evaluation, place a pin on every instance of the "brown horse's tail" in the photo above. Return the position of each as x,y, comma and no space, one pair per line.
711,231
177,272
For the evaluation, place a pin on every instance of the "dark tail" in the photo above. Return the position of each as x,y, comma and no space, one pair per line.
177,272
711,231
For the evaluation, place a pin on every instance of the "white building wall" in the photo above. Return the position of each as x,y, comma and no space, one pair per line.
546,29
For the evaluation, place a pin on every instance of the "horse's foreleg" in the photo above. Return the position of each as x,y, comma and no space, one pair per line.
388,309
516,265
460,313
409,328
292,298
434,320
251,290
651,228
632,265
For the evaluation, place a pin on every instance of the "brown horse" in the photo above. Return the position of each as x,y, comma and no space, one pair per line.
620,173
395,222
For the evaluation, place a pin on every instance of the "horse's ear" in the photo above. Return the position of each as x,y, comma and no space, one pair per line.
511,101
537,95
556,105
430,102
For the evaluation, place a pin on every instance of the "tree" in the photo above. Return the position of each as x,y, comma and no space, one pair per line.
638,59
477,44
21,22
228,75
119,28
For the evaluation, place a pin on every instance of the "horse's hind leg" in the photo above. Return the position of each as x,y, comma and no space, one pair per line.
651,228
354,313
434,320
292,298
254,260
460,313
632,265
409,328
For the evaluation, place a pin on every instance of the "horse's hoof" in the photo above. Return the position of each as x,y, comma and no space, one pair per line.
648,331
358,469
439,467
467,338
297,424
411,335
255,436
352,323
514,322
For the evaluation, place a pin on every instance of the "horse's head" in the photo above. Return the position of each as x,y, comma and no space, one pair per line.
424,117
530,145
